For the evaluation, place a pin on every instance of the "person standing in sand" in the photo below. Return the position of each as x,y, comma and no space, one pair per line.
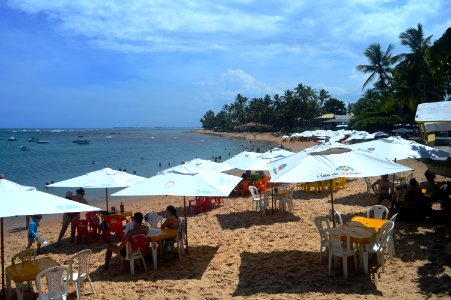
71,218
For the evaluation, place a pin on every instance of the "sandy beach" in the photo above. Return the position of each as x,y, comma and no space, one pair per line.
236,252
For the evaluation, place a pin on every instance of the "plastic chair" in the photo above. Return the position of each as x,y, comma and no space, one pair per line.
287,201
391,241
25,255
378,212
258,201
377,245
56,285
83,230
338,249
114,224
337,216
79,270
94,222
181,239
324,239
136,248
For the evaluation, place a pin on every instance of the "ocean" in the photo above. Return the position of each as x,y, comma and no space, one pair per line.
137,150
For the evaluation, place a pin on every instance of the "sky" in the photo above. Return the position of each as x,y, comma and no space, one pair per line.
147,63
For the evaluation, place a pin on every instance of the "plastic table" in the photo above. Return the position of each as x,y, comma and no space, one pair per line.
157,235
26,271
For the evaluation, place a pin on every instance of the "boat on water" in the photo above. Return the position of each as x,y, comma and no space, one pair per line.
25,148
43,142
81,140
12,139
33,139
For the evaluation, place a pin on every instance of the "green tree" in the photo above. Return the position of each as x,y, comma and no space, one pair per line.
208,120
334,106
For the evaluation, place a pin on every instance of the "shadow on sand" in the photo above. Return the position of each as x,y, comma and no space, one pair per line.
297,272
246,219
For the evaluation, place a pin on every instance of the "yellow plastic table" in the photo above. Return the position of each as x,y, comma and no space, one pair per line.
376,224
26,271
157,235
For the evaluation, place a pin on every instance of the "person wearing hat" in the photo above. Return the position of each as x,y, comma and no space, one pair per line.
131,229
71,218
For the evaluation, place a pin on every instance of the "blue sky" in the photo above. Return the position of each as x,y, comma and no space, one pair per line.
93,63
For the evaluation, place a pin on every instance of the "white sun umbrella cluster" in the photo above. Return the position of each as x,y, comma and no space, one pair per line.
398,148
205,165
329,164
19,200
253,161
335,135
105,178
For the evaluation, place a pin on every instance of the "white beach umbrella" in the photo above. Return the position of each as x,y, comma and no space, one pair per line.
330,164
243,160
206,165
18,200
184,181
105,178
397,148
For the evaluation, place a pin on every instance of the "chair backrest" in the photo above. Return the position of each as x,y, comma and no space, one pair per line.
336,243
114,223
320,222
153,218
82,226
56,285
24,255
378,212
137,245
79,263
337,216
382,237
254,192
393,218
93,218
181,230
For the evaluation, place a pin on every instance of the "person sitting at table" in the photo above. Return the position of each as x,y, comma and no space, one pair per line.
416,206
131,229
384,189
171,222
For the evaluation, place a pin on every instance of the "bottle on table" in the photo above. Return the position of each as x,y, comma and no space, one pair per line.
122,208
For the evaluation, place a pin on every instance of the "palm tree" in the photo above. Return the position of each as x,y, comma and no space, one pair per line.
415,64
379,67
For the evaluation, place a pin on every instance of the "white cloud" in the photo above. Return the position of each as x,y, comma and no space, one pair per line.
335,91
243,82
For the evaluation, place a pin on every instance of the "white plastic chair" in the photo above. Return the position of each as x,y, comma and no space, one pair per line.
378,212
337,216
259,201
181,239
135,249
377,245
324,239
391,241
56,285
286,203
338,249
25,255
79,270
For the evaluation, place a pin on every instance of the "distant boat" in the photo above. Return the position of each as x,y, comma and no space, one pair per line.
25,148
11,139
33,139
81,141
43,142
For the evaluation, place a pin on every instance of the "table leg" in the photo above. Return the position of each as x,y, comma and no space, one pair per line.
19,290
154,254
8,286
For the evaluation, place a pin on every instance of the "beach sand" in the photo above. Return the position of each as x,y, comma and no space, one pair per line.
236,252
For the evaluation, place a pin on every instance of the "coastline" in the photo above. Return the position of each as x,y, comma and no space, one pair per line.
294,146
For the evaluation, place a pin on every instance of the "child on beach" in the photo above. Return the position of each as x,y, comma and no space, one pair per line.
33,232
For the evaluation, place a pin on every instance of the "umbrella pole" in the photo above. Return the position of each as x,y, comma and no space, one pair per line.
272,199
393,184
106,196
332,201
3,292
186,224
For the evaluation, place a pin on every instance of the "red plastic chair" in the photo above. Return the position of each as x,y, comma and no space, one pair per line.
136,248
94,222
115,227
83,231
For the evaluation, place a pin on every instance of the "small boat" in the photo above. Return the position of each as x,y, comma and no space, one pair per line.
43,142
25,148
12,139
81,141
33,139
